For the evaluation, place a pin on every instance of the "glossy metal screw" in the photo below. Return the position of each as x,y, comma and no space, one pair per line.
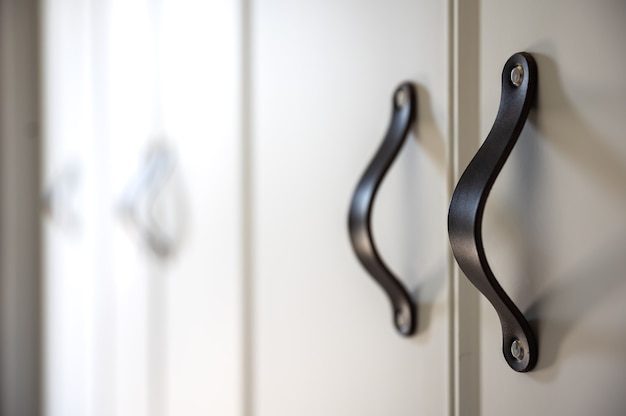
401,98
403,319
517,350
517,75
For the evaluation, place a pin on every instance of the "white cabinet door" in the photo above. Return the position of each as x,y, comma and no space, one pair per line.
322,78
554,225
129,331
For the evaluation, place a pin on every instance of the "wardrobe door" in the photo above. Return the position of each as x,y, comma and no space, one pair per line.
323,74
554,225
143,242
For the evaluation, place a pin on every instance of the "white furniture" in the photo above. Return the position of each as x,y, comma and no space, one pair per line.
272,110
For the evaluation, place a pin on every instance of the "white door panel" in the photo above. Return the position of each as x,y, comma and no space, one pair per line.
130,332
323,76
203,327
554,225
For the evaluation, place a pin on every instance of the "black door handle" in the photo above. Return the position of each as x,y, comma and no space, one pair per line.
519,83
404,105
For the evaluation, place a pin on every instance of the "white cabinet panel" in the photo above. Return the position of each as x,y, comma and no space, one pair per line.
202,331
129,332
323,73
554,227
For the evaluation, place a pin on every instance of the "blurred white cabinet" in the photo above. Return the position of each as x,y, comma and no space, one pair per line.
129,331
271,110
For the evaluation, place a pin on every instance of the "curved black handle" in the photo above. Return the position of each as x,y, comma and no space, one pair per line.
359,221
519,81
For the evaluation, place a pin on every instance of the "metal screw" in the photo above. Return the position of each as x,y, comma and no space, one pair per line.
401,98
517,75
517,350
403,319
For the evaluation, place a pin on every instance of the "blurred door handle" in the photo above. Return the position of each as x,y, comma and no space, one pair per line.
359,221
139,198
519,83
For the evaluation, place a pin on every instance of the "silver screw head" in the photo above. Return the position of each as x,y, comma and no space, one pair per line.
517,350
403,319
517,75
401,98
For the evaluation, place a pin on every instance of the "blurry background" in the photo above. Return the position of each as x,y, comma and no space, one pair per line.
142,179
127,140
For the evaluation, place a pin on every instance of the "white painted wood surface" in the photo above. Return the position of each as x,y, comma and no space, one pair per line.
554,227
128,333
323,74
